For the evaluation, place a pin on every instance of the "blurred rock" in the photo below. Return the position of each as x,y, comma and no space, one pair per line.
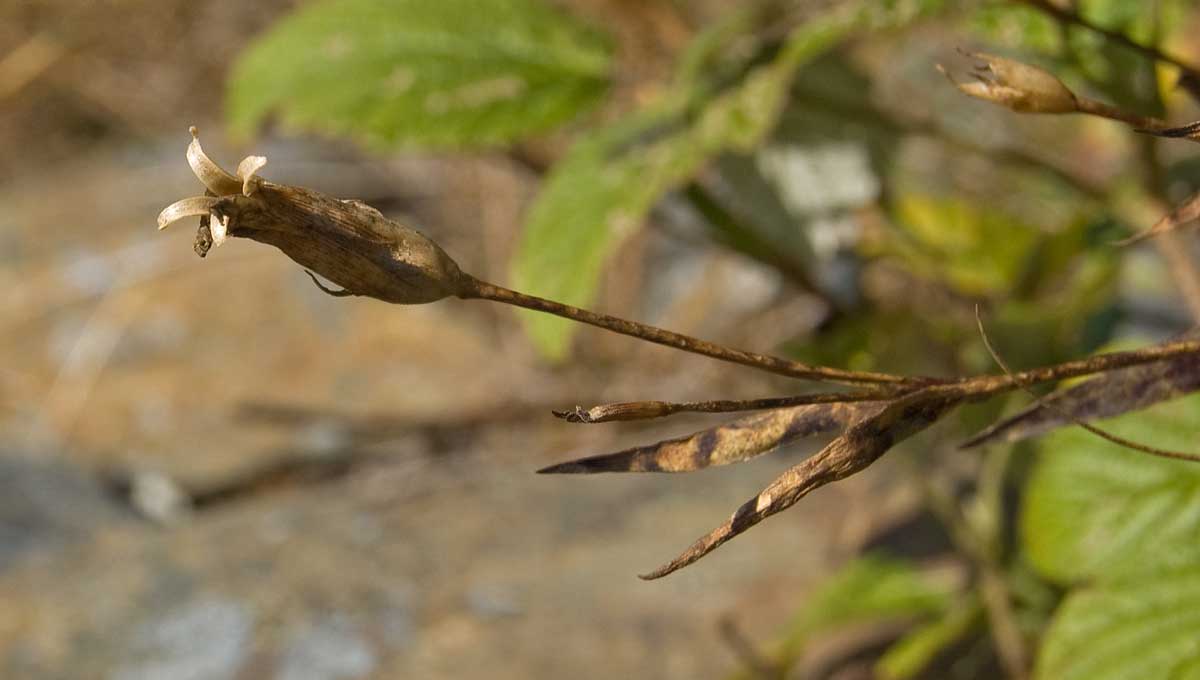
474,569
46,504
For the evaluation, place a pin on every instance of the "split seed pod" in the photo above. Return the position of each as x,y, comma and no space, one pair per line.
1016,85
348,242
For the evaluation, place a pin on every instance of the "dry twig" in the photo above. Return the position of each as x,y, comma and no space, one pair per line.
1103,434
363,252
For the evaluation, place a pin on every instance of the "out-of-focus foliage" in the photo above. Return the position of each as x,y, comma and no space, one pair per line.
869,589
459,73
913,653
976,249
610,179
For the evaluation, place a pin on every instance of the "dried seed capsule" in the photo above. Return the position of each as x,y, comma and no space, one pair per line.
347,242
1017,86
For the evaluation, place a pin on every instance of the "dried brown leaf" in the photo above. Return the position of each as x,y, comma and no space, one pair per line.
1110,394
862,444
731,442
1189,131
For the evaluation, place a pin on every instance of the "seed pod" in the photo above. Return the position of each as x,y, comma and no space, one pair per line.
347,242
1017,86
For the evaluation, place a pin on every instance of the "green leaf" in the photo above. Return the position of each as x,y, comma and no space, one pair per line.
976,248
1093,509
610,179
442,73
1141,627
871,588
917,650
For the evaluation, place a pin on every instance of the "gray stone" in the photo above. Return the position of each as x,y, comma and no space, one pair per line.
206,639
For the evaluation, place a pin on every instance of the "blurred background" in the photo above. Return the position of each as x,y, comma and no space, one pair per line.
213,470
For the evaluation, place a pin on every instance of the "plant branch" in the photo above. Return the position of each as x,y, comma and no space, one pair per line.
646,410
483,290
1139,122
982,387
355,247
1043,402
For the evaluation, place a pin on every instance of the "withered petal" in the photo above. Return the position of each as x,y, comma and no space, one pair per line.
207,171
195,206
248,170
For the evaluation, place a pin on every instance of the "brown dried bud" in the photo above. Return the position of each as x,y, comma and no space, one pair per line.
1018,86
345,241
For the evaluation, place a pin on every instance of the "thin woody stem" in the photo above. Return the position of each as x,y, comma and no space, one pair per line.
1044,403
1096,108
981,387
645,410
794,369
974,388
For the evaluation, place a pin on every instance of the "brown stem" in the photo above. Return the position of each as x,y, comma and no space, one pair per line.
1103,434
645,410
984,386
476,289
1095,108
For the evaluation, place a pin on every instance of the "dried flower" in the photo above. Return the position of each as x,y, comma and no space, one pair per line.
345,241
1018,86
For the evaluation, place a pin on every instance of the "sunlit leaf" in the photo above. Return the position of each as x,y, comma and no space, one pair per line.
1093,509
421,72
1140,627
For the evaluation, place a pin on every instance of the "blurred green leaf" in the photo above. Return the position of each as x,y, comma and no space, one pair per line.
1093,509
871,588
1017,25
1131,629
453,73
909,656
976,248
611,178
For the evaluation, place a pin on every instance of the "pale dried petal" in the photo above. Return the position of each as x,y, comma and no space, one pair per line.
208,172
196,206
218,228
248,170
